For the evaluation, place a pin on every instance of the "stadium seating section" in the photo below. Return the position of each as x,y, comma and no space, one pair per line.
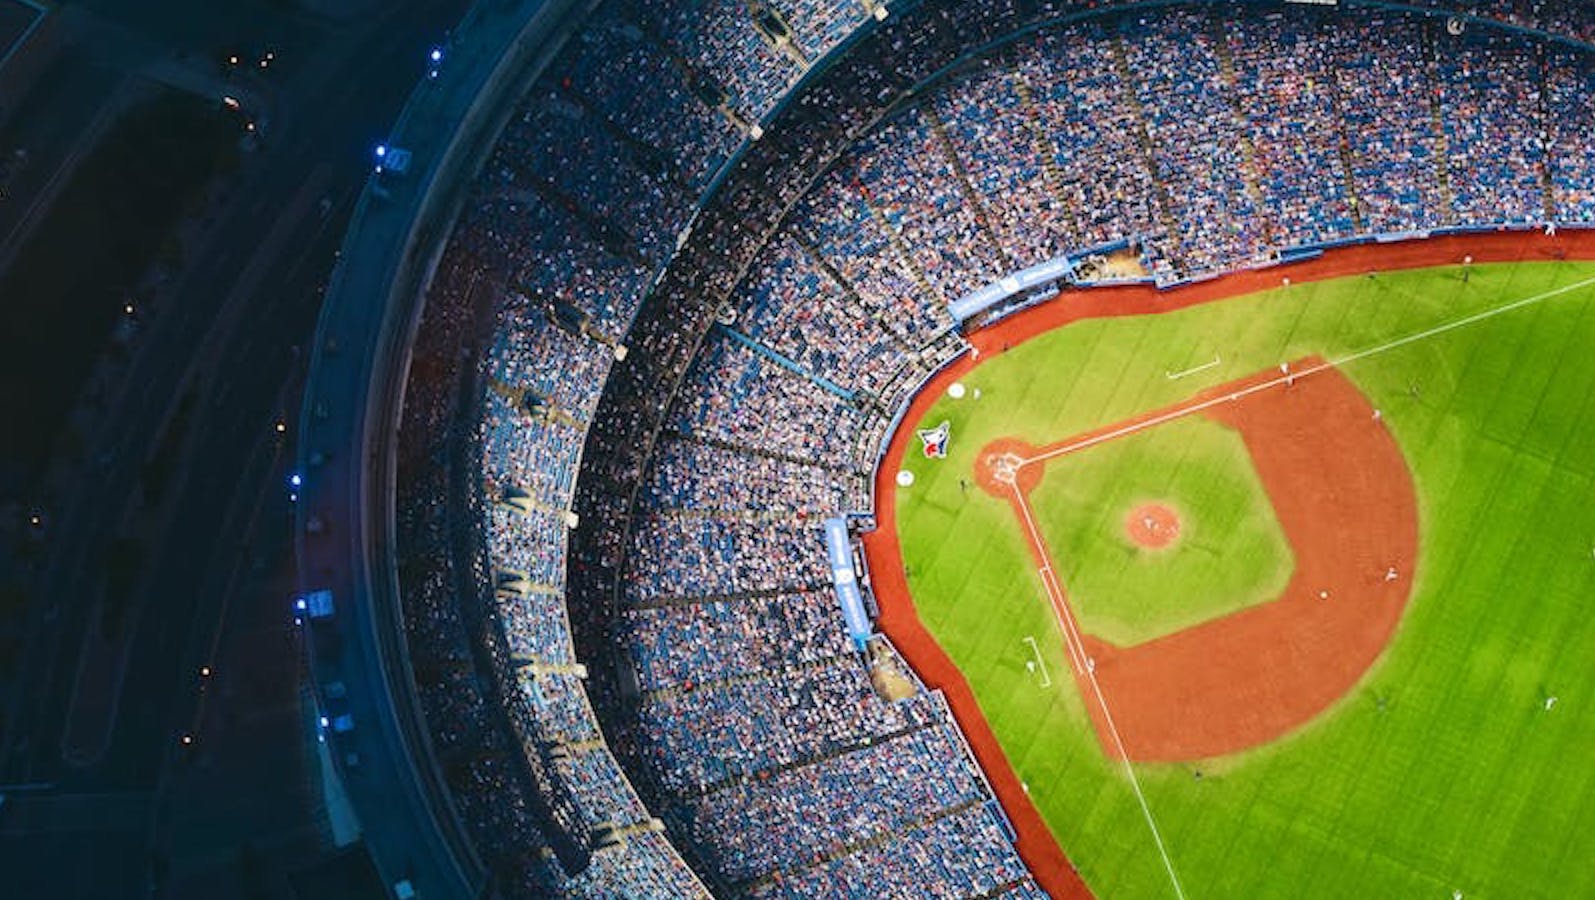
1205,137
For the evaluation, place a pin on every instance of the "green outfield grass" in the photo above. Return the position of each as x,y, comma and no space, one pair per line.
1442,771
1231,552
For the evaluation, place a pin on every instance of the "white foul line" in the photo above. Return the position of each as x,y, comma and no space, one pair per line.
1175,376
1183,411
1046,679
1086,666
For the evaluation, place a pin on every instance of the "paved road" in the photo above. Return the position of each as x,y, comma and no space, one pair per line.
214,586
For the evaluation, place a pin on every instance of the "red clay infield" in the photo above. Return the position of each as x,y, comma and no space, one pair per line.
997,471
1152,526
1345,499
899,620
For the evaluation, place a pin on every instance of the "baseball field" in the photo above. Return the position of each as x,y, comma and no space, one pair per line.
1287,594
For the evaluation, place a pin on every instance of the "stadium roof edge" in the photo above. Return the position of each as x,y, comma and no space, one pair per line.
343,522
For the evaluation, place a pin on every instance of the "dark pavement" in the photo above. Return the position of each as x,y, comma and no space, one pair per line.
215,581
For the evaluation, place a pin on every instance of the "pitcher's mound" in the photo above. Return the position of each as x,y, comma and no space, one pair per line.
1152,526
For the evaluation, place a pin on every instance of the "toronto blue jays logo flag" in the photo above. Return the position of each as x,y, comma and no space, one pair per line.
935,440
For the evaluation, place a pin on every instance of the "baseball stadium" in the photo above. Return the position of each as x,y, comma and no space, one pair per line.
944,449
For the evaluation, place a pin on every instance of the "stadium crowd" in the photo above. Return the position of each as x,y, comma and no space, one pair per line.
496,794
1565,18
744,414
810,811
689,475
678,645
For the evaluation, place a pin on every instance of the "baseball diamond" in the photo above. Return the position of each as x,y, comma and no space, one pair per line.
1421,614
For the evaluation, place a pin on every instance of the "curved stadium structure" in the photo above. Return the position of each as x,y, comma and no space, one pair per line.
661,309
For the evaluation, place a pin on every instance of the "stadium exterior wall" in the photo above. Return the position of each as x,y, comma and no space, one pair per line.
354,394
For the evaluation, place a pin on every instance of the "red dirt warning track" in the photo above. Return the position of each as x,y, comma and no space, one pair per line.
1036,844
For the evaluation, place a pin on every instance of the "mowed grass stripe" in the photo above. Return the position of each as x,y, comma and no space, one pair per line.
1461,780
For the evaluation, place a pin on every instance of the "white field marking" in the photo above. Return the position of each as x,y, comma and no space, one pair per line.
1077,657
1175,376
1183,411
1046,679
1085,666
